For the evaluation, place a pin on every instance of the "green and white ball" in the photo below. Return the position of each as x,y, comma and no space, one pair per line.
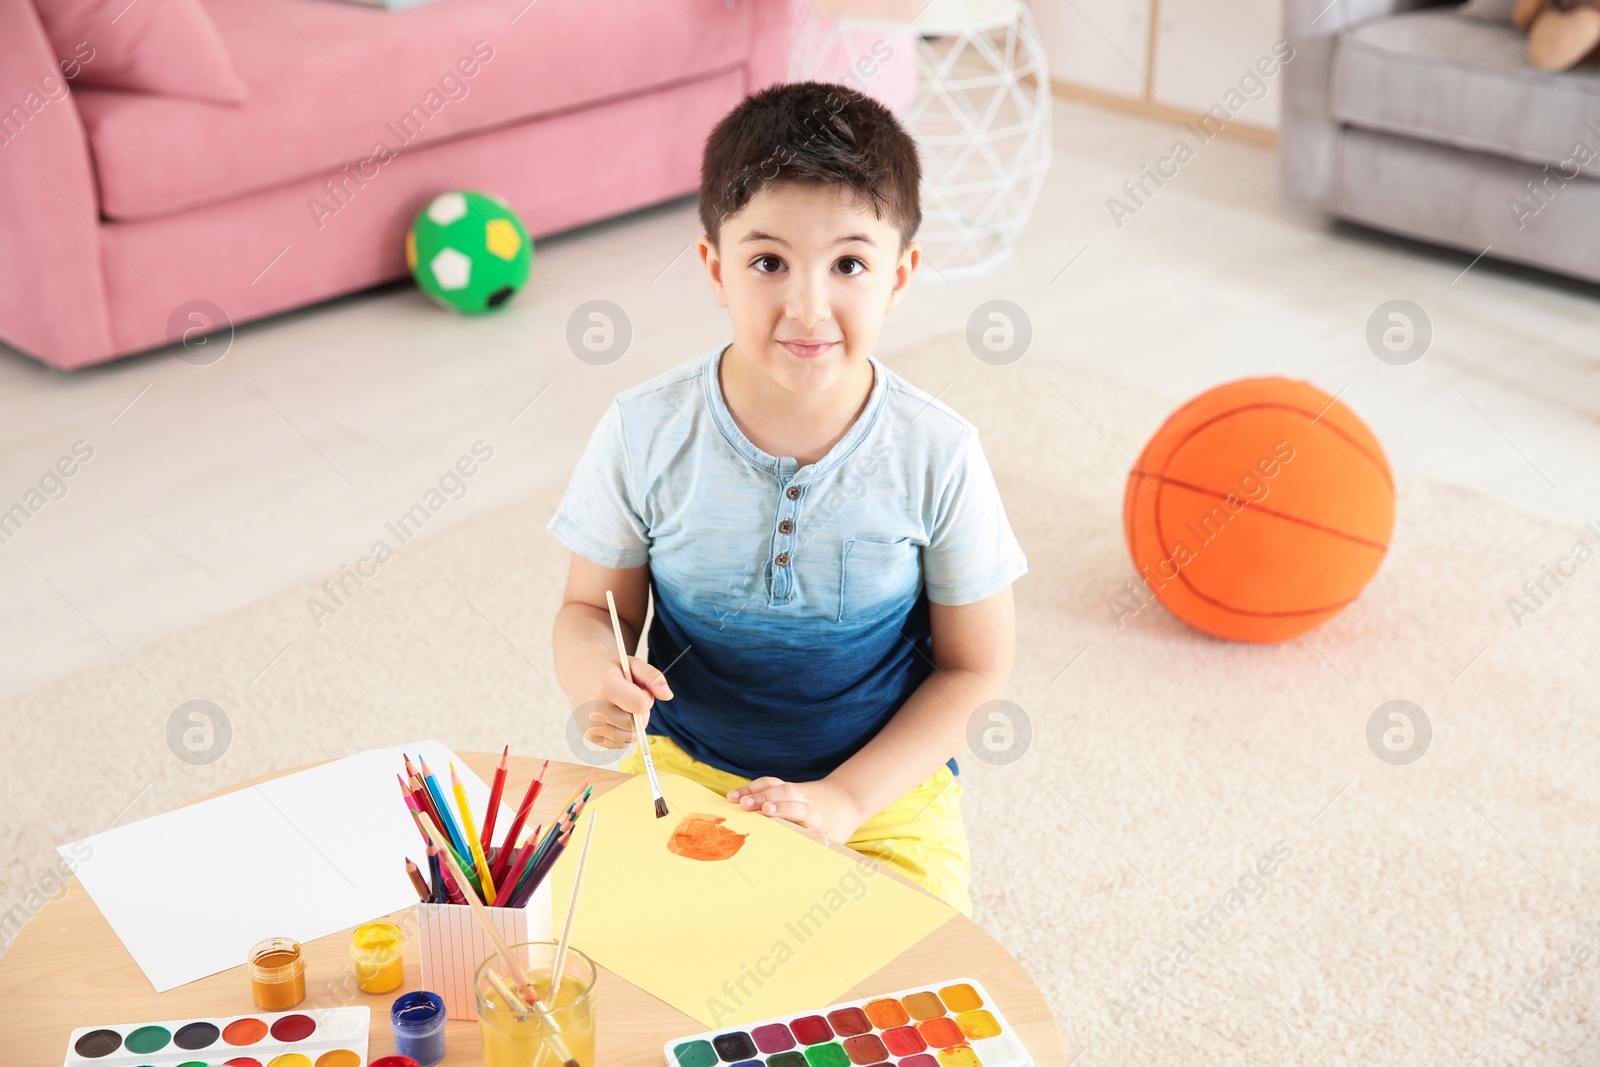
469,251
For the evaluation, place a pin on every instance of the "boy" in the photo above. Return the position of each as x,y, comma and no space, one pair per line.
830,562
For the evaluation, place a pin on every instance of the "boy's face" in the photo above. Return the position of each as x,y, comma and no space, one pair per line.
803,262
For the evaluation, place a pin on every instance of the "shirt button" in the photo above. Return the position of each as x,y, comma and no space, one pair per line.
785,527
793,492
782,559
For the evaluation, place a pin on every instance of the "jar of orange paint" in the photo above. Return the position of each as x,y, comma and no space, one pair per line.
378,949
277,974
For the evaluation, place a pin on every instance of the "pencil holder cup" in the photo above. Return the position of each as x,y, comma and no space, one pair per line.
451,943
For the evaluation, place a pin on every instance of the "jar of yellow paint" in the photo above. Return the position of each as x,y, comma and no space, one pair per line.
378,949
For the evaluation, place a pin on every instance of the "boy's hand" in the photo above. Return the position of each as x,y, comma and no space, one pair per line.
819,806
613,727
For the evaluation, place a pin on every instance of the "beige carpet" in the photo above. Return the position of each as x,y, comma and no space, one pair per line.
1417,900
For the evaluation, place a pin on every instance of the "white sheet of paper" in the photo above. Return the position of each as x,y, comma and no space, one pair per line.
301,856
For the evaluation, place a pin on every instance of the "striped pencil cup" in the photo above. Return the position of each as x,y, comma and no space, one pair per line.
452,944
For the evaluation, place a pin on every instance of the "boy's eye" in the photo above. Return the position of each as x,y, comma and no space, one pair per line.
771,264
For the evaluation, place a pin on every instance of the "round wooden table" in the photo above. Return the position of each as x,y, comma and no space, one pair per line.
68,969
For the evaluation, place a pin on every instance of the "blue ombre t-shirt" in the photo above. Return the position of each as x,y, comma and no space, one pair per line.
790,602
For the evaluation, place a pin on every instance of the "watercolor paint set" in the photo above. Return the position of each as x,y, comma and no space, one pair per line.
951,1024
333,1037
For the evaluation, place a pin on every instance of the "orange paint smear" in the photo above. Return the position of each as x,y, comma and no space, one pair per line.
703,837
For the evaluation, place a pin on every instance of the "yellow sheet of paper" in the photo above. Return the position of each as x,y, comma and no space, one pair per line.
783,925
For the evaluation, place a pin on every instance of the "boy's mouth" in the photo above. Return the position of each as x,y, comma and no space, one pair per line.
808,349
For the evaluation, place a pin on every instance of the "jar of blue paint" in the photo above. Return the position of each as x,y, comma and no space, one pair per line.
417,1020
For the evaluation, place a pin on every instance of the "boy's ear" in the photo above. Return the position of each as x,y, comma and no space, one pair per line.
910,260
713,261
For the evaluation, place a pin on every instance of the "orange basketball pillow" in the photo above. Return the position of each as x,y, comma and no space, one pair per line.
1259,510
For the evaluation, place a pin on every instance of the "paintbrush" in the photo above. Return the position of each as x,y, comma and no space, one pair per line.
530,995
572,909
644,745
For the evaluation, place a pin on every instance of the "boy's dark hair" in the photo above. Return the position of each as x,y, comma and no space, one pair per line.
814,132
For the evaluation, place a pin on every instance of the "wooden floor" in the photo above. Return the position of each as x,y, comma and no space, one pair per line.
210,487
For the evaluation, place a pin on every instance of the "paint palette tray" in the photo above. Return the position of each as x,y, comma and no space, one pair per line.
951,1024
328,1037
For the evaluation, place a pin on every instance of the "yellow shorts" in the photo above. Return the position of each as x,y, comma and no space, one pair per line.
921,835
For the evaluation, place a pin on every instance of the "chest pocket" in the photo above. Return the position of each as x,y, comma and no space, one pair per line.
877,578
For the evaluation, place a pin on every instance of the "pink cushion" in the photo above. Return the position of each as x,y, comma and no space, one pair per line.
330,82
147,46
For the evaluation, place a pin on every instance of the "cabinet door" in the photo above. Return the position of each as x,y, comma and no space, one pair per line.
1100,44
1207,54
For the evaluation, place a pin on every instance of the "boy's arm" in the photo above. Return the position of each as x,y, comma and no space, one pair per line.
586,649
973,645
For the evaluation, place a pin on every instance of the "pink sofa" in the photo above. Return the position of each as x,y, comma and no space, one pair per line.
117,208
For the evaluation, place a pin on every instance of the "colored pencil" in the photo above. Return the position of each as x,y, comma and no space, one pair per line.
583,788
550,850
415,872
435,875
644,745
452,891
549,835
495,791
419,793
529,994
541,867
536,865
519,865
470,832
564,822
572,909
446,819
522,817
411,806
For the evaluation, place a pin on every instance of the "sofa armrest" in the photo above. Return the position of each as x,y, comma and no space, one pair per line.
52,291
1308,135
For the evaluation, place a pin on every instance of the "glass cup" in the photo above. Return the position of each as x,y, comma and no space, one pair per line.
563,1031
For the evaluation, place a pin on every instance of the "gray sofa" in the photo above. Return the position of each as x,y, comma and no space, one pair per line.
1428,120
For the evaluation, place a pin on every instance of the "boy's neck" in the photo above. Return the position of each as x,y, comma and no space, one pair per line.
785,423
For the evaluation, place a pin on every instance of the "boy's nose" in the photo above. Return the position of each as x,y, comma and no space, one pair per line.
808,302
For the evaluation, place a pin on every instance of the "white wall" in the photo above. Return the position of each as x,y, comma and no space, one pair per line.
1202,49
1102,44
